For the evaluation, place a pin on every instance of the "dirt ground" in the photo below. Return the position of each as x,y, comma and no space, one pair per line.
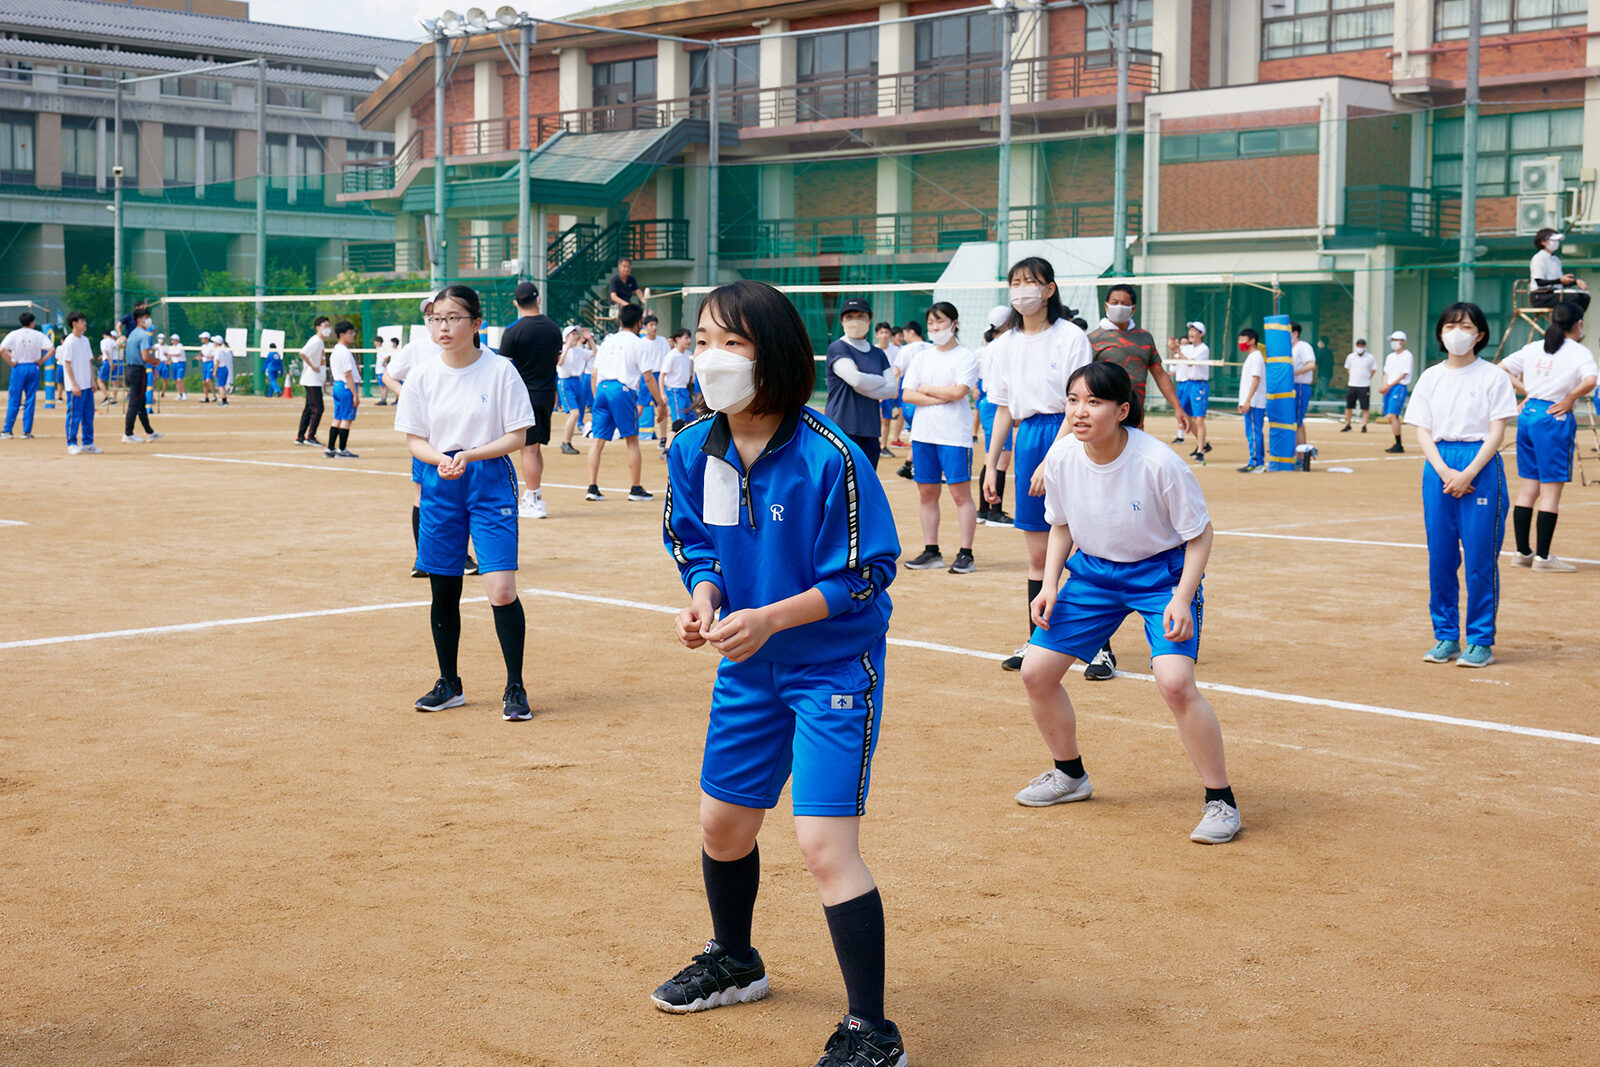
237,844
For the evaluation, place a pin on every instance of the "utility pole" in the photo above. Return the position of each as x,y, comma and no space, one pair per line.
1002,213
524,194
441,55
1119,209
261,191
1465,279
713,182
116,206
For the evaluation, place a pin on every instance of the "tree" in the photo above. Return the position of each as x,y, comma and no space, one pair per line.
94,291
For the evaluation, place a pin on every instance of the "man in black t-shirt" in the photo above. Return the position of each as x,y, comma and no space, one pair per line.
623,288
533,345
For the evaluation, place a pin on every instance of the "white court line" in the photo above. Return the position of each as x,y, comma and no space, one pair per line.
1352,541
660,609
347,469
1325,522
12,522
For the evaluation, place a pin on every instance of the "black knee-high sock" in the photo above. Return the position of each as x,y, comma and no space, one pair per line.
511,626
983,498
857,929
1000,489
446,617
416,525
1545,523
1035,587
731,887
1522,526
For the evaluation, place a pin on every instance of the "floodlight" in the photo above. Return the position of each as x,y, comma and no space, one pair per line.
477,19
508,15
432,26
449,21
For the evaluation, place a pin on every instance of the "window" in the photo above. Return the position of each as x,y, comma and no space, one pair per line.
80,142
130,152
823,64
1316,27
625,82
738,73
1504,141
16,148
306,157
15,70
198,89
1239,144
946,51
79,77
354,150
1508,16
294,98
1101,16
219,156
177,156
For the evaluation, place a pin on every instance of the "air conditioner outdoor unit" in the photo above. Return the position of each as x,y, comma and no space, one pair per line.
1536,177
1535,213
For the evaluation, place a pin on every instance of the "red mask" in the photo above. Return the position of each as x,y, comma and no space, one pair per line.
1244,346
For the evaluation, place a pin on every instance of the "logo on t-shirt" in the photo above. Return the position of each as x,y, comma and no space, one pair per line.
1135,505
777,512
483,399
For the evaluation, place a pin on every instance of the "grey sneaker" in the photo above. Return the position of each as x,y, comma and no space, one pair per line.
1521,559
1219,824
1552,563
1054,787
964,563
154,435
927,561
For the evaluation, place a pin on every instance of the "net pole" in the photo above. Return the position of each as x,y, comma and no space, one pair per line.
261,189
1119,234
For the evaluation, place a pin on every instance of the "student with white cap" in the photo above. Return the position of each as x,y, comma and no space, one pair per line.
1191,374
1360,365
208,367
1398,366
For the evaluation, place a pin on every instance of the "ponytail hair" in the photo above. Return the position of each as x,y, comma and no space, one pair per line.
1563,318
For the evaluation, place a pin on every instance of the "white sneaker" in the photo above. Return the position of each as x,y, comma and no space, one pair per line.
73,450
536,505
1054,786
93,450
129,439
153,436
1552,563
1520,559
1218,824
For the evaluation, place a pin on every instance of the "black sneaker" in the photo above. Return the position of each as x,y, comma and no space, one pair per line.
329,453
713,979
983,515
998,517
1207,448
638,493
27,437
1346,429
1178,440
1013,662
1103,667
857,1043
905,469
472,565
567,449
418,572
314,441
594,493
929,559
516,699
1249,468
1395,448
964,563
444,695
1363,429
345,453
1197,455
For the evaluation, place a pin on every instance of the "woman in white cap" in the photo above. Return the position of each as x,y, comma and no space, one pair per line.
177,365
1397,368
1550,282
1191,374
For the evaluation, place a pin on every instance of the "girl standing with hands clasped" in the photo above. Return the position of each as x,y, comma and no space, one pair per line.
1555,374
938,383
1027,379
463,415
1460,409
774,516
1133,511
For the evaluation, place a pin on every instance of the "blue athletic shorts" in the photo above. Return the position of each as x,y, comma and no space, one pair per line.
1196,399
888,408
481,503
680,404
572,394
1034,437
615,410
1100,593
416,469
1302,401
1394,401
1544,443
344,402
180,370
932,464
986,412
816,721
208,372
588,390
104,373
223,374
910,412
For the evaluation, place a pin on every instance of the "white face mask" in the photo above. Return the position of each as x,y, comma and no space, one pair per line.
326,331
727,381
940,337
1397,345
855,329
1119,313
1458,341
1027,299
1554,246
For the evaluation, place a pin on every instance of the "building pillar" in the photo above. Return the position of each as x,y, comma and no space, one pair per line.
897,53
488,102
147,257
1372,301
43,252
1170,35
330,260
778,55
47,149
334,152
200,175
1413,36
292,166
245,166
672,75
151,168
777,191
575,80
102,157
894,200
695,207
1241,21
242,255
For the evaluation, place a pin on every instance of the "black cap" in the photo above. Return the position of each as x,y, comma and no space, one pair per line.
856,303
525,293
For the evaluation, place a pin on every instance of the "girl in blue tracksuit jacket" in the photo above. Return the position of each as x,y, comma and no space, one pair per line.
775,518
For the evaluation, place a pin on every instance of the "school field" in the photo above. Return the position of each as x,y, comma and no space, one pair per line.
227,838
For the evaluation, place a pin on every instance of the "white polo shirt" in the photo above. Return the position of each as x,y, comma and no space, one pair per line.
1030,372
949,423
1255,365
1554,375
1192,372
1360,366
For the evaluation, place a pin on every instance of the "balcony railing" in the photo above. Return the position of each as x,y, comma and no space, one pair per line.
912,232
383,257
1402,211
642,240
1036,81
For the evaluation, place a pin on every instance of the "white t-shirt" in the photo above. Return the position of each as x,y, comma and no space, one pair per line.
27,345
342,362
108,348
1030,372
176,353
411,357
677,370
1458,403
312,353
1551,376
1545,267
619,358
457,408
208,352
224,357
948,423
380,361
1192,372
1143,503
1305,363
1397,365
906,354
1360,366
77,353
655,352
1255,366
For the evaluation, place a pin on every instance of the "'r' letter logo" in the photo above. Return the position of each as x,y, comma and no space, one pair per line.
777,512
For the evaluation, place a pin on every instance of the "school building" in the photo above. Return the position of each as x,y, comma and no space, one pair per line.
189,151
859,144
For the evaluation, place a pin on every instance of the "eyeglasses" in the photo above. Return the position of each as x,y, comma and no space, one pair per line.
448,320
